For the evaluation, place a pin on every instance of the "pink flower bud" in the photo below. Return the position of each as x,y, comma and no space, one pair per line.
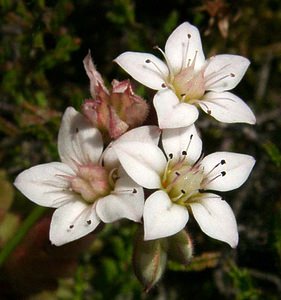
112,112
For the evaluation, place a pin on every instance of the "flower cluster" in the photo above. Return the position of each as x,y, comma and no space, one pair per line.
112,167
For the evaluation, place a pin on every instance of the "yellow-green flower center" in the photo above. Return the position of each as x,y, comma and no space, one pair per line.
182,181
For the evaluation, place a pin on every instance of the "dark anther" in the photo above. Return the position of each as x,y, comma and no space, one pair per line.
89,222
71,226
191,136
184,152
183,95
134,191
232,75
163,85
222,162
189,35
183,191
76,130
148,61
177,173
171,155
209,111
223,173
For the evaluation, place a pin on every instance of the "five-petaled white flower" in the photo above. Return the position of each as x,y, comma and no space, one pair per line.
184,181
187,80
87,187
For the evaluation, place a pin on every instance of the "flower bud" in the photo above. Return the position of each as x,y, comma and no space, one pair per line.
149,260
180,247
115,112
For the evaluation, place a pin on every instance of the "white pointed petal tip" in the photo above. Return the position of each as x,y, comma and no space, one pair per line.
46,184
216,219
225,71
227,108
172,113
184,44
161,217
145,68
230,174
78,140
71,222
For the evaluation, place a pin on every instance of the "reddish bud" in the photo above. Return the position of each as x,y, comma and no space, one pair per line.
115,112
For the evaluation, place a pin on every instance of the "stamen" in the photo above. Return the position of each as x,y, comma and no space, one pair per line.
199,159
167,168
209,112
175,199
194,59
185,62
222,174
128,191
70,227
171,73
222,162
218,80
214,74
89,222
184,152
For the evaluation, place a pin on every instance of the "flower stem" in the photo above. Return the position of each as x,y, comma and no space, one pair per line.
35,214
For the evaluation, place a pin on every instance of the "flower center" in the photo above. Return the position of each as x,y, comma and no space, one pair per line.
182,181
92,182
189,85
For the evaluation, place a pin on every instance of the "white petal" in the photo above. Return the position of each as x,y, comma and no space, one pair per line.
161,217
226,107
216,219
78,141
151,74
46,184
144,134
171,112
184,44
186,139
230,175
126,201
72,221
224,72
143,162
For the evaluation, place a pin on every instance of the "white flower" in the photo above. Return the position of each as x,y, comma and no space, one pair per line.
87,187
183,181
187,80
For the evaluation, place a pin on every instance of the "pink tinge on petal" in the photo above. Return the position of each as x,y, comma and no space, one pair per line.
96,81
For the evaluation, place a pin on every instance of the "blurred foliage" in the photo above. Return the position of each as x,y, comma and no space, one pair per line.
42,45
